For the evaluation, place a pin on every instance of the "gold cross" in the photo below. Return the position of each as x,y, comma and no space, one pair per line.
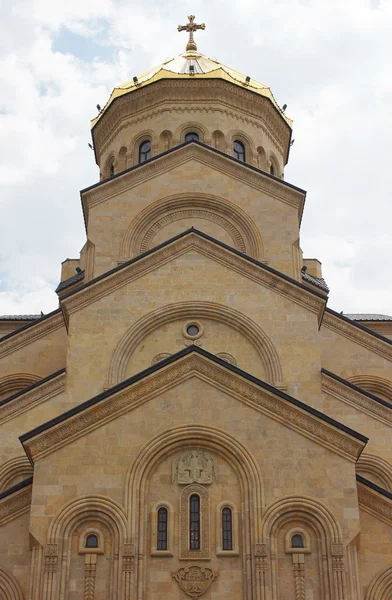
191,27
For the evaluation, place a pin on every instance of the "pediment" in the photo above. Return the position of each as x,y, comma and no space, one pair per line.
174,371
183,155
211,249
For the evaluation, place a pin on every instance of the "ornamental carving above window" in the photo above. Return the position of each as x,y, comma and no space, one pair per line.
194,466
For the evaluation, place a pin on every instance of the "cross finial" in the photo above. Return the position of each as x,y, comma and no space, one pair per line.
191,27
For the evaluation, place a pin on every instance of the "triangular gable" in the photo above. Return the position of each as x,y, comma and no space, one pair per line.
187,363
207,155
193,239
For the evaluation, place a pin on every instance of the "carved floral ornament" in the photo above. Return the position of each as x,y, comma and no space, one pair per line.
195,579
194,466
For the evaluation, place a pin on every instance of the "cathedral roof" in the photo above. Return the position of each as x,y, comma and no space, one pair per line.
192,64
368,317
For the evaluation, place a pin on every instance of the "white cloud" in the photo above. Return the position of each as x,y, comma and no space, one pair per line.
328,61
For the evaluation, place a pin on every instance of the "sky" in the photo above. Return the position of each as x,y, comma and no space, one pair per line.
330,62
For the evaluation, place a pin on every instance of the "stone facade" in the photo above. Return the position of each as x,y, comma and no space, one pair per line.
193,421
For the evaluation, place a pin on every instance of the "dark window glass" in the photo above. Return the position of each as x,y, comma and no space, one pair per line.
194,522
92,541
239,150
162,529
297,541
192,330
144,151
227,529
192,135
111,170
272,170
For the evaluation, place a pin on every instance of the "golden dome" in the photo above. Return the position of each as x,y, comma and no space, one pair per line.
197,66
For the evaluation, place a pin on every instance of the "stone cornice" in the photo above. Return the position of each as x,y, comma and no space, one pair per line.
357,333
374,500
26,399
133,392
189,94
350,394
16,501
208,156
31,332
185,242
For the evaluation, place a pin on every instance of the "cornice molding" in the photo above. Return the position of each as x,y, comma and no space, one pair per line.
194,240
370,340
354,397
174,370
26,400
186,94
31,333
373,502
15,504
210,157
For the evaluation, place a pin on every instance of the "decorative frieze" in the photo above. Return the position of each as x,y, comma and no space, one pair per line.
195,579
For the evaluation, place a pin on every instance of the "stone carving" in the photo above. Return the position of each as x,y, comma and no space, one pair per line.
204,551
227,357
159,357
194,580
194,466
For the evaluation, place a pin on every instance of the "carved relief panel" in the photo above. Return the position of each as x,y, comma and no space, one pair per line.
196,465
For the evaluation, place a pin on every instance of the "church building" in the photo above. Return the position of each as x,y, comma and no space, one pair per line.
194,421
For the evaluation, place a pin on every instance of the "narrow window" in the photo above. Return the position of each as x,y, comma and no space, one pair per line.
144,151
192,136
112,170
162,529
272,170
297,541
239,150
227,529
194,522
91,541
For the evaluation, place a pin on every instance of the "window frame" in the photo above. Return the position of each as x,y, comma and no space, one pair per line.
169,529
140,151
234,529
100,549
192,133
194,523
236,141
305,537
185,552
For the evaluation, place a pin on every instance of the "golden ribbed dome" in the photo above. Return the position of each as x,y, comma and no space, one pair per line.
197,66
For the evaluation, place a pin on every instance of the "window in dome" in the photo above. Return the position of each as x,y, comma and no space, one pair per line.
192,136
239,150
144,151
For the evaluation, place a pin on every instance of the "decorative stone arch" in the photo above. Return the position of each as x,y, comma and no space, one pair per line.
11,384
111,160
274,162
381,586
122,159
321,520
236,134
58,547
262,162
169,441
197,127
165,141
15,467
9,587
371,466
218,312
218,140
372,383
241,228
139,138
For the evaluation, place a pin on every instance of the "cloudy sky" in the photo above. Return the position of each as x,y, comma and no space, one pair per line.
329,61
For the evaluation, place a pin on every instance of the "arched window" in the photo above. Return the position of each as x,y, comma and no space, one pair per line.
192,136
272,170
144,151
227,529
92,541
194,522
297,541
162,529
239,150
112,170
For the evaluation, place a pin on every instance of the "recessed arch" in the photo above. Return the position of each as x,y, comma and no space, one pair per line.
210,310
189,126
15,468
236,134
375,469
381,586
137,140
274,165
372,383
241,228
11,384
9,587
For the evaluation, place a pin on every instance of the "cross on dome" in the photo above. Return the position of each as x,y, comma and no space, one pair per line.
191,27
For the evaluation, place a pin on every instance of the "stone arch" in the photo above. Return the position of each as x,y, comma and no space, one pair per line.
241,228
262,159
165,141
11,384
372,383
381,586
218,312
98,508
9,587
218,140
375,469
110,161
122,158
196,126
18,467
169,441
321,520
139,138
236,134
274,163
